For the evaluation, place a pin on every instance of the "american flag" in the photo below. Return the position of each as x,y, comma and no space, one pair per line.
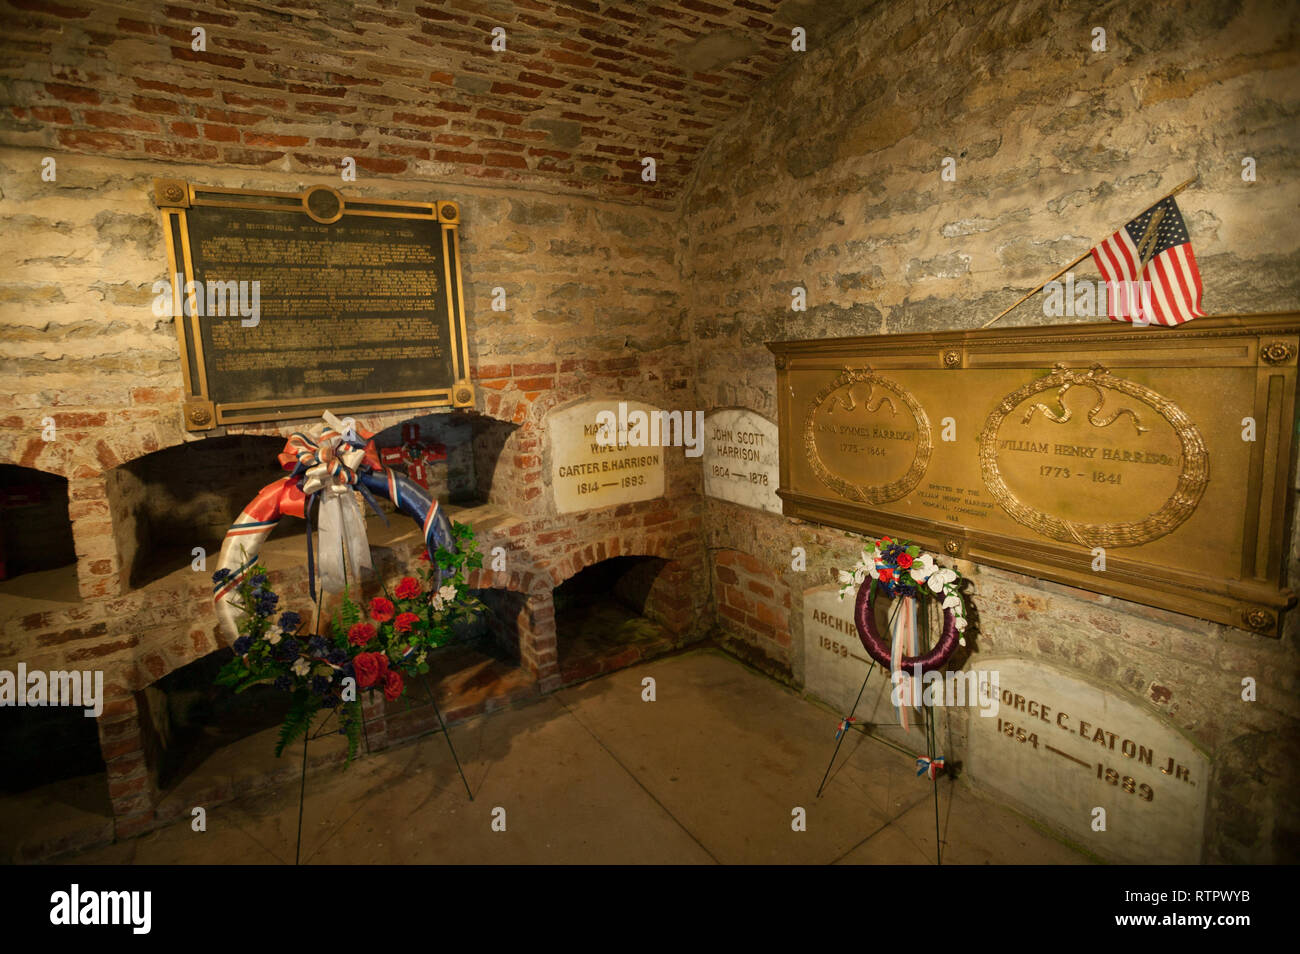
1153,248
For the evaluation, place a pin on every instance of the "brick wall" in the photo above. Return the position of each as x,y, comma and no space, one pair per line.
832,181
581,93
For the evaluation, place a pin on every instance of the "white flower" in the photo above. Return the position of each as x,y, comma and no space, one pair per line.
859,575
922,567
274,635
846,578
447,592
940,578
951,600
302,666
961,626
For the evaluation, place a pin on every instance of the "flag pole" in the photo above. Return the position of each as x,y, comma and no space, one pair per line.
1028,295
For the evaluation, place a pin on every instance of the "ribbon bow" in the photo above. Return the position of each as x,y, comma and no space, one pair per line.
329,456
929,767
326,460
844,725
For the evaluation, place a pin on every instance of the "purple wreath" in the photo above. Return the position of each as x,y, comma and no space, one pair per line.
878,648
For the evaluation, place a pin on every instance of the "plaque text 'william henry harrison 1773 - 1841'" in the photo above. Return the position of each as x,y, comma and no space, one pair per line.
290,303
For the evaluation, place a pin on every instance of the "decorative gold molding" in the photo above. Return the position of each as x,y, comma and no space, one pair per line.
1195,519
200,415
882,493
1277,352
1192,478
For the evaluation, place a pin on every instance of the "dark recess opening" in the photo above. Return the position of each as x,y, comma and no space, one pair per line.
35,534
169,502
47,744
190,717
601,609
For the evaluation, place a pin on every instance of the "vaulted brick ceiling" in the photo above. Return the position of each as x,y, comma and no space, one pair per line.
583,91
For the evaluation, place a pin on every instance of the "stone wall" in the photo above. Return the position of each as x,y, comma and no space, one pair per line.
831,181
594,306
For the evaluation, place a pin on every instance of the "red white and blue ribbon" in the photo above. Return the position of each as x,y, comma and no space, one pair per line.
844,725
324,458
929,767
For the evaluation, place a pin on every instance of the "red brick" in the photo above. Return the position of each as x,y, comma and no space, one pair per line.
221,133
503,161
151,104
72,94
446,155
499,115
268,139
52,114
381,166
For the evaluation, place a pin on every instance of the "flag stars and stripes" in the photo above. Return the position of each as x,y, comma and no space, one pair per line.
1168,265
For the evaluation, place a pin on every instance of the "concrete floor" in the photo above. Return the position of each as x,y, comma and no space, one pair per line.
709,772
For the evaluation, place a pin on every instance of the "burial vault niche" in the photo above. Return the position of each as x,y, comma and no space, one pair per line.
195,731
605,615
38,559
167,503
54,790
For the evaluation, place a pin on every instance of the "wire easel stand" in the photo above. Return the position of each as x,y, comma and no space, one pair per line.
931,739
321,729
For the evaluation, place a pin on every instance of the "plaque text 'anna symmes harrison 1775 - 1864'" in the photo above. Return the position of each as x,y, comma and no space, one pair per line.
290,303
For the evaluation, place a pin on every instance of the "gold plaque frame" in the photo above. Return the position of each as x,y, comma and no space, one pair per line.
1226,471
175,196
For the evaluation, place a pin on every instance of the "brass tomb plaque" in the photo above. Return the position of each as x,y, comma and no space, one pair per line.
1167,452
357,306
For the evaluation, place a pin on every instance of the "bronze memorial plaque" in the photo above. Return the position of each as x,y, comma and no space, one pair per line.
290,303
1152,464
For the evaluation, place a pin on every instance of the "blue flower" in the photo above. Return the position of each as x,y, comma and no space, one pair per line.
320,685
284,683
337,656
266,601
316,646
258,580
243,644
220,576
290,621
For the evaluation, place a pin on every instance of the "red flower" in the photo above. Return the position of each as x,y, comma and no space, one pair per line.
886,574
360,633
424,557
392,685
905,560
370,668
407,589
404,622
381,610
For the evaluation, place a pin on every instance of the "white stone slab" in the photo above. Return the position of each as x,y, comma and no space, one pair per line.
585,475
835,665
741,458
1076,728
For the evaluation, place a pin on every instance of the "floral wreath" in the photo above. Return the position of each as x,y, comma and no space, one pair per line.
903,569
377,648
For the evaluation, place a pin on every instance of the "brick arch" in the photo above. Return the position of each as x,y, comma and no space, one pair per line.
627,543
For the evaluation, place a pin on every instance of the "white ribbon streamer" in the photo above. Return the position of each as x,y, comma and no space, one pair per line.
903,626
